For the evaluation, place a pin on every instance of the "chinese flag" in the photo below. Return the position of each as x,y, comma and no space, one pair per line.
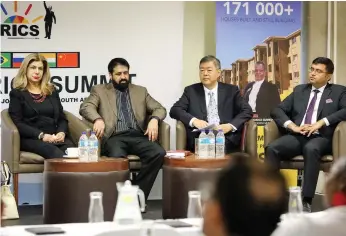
68,59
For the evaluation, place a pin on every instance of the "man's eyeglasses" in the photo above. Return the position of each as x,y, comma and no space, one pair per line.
318,71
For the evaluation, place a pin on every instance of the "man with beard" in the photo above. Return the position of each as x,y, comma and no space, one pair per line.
119,112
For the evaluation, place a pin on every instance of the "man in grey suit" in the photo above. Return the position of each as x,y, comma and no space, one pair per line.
126,118
309,116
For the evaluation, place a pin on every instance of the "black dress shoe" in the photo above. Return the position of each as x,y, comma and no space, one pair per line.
306,207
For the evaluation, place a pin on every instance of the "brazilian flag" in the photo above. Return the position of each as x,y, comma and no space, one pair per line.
5,59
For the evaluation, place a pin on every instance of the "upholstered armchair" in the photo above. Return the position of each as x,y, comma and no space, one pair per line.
271,132
21,162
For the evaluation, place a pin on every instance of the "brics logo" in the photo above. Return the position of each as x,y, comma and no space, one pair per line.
22,24
54,59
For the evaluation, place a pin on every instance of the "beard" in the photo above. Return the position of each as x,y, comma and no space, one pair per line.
122,85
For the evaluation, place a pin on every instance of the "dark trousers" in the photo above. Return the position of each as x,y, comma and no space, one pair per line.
312,148
46,150
134,142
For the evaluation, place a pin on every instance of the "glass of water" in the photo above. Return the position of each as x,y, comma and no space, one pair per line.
295,204
194,209
96,207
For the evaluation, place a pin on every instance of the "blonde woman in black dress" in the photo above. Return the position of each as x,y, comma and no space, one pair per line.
36,110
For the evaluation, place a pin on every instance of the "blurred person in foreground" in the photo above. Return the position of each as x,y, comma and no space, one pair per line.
36,110
331,222
248,199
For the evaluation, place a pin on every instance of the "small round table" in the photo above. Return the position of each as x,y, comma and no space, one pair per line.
183,175
68,182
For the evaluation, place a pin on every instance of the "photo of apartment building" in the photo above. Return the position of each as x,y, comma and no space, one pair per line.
251,70
234,74
241,73
260,53
294,58
280,54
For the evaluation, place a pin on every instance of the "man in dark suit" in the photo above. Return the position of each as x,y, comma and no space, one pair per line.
212,102
127,118
261,95
310,115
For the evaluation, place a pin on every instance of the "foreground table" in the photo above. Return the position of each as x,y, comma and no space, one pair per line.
68,182
85,229
183,175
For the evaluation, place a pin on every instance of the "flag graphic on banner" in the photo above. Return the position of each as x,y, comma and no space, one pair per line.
55,59
5,60
17,59
68,59
51,58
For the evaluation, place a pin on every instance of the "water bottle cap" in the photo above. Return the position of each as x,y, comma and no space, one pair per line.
84,132
220,130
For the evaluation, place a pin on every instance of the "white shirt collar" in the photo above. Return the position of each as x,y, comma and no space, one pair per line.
214,90
259,82
320,89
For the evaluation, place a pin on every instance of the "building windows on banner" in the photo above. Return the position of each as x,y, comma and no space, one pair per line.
265,32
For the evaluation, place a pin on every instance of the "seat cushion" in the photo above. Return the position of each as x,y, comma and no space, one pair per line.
326,158
134,162
30,158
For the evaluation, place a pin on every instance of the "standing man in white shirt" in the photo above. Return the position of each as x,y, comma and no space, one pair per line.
212,102
330,222
261,95
309,116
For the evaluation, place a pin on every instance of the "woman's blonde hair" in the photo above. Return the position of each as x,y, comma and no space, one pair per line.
21,81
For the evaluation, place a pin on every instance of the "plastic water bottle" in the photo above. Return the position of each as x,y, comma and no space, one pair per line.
203,145
93,147
83,147
220,144
211,144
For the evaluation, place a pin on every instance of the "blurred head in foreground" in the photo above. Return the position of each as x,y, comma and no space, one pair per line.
336,184
248,199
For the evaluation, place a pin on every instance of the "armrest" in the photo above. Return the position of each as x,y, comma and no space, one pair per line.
10,142
165,135
250,139
271,133
180,136
339,137
75,127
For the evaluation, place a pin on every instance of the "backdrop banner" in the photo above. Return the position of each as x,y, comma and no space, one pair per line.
80,38
266,32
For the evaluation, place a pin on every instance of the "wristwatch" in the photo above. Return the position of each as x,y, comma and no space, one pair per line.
40,136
